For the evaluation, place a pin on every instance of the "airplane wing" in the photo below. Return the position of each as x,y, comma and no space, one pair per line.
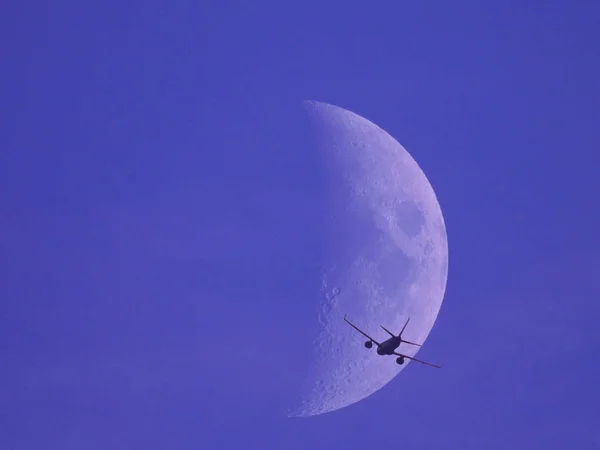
361,331
417,360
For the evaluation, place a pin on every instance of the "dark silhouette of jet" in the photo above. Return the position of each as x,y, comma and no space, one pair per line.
389,346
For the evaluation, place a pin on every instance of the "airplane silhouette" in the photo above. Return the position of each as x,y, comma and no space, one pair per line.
389,346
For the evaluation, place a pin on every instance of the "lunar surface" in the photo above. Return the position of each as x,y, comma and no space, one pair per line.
386,259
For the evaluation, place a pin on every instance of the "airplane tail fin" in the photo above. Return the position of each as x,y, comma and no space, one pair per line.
400,335
404,328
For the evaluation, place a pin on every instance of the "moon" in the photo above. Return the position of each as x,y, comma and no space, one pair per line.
386,258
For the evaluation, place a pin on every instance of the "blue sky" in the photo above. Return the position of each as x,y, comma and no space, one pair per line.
160,205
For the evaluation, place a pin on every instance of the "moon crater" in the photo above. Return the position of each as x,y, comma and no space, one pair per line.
409,218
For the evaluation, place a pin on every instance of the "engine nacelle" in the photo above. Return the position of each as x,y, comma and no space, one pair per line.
368,344
400,360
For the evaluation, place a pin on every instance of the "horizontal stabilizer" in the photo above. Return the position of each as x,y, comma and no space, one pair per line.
388,331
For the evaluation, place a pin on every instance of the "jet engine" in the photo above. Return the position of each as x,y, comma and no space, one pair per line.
368,344
400,360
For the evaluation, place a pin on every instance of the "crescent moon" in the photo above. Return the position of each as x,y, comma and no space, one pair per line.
386,258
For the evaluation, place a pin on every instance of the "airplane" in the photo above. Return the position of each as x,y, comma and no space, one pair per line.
389,346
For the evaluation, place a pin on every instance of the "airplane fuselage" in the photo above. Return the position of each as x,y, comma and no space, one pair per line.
388,347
